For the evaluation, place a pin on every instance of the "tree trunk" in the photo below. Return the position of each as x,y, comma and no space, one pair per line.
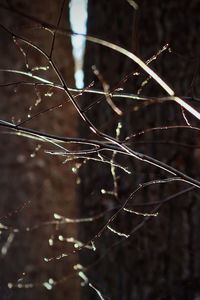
35,185
161,260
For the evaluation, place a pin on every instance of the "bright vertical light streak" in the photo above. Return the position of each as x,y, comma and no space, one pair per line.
78,19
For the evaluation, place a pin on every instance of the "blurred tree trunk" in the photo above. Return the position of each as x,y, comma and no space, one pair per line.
161,261
34,185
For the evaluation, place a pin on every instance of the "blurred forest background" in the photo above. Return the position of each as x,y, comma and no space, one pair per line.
51,205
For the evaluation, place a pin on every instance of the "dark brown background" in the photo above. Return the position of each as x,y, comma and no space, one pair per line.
160,261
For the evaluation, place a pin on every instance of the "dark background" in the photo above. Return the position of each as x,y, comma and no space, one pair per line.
161,260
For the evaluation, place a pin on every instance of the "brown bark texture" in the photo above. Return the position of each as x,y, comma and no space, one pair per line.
33,184
161,260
